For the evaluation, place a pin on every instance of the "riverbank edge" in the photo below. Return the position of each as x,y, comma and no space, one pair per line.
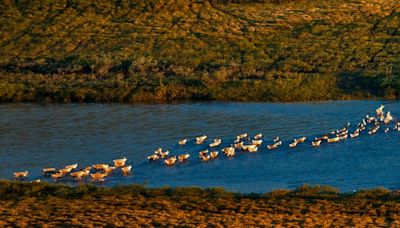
184,101
10,189
15,89
23,204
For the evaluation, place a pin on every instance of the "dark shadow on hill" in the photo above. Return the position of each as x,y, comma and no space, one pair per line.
355,83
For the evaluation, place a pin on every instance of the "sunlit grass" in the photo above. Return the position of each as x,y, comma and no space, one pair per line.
163,50
25,204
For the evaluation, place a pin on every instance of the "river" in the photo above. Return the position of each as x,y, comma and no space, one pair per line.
34,136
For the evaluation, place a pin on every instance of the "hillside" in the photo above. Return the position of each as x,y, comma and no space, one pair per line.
166,50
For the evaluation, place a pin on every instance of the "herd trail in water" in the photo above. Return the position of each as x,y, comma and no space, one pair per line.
369,125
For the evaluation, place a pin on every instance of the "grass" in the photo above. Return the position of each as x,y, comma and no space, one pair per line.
167,50
25,204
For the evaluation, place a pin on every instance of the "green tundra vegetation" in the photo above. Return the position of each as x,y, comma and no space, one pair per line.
44,204
169,50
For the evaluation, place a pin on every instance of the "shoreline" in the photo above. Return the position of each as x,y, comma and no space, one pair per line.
191,101
304,190
38,204
13,188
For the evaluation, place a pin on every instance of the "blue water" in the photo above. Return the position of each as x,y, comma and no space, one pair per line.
35,136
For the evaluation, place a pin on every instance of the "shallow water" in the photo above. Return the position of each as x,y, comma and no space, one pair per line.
35,136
